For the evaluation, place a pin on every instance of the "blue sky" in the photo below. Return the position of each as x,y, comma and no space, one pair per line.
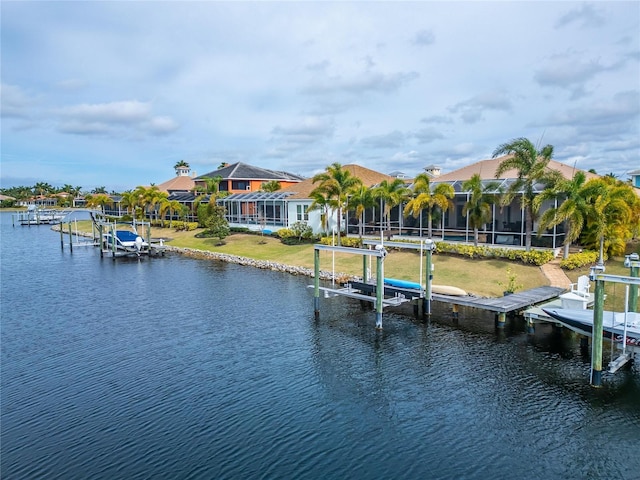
115,93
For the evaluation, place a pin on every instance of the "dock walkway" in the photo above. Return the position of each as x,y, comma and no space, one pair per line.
507,304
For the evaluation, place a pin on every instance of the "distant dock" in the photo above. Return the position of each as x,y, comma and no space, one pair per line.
39,216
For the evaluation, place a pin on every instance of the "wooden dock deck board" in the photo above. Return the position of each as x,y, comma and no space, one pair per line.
509,303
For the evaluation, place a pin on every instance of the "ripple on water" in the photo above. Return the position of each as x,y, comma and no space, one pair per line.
182,368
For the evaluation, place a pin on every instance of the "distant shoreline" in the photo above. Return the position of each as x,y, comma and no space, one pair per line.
246,261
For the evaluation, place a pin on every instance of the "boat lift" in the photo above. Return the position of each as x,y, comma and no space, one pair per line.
598,276
384,295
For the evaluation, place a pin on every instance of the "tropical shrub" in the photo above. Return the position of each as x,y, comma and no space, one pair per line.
534,257
577,260
353,242
302,231
299,232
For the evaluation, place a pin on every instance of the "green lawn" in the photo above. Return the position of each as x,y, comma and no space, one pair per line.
475,276
480,277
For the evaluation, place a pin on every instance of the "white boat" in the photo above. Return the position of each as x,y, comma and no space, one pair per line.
123,239
613,323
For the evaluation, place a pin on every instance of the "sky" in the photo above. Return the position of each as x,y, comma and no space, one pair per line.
114,94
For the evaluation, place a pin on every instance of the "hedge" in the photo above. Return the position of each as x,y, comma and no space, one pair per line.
577,260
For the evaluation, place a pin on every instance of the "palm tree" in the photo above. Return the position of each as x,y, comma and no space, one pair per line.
152,197
66,188
336,183
130,201
101,189
532,167
172,207
361,198
614,214
573,210
322,202
99,200
271,186
478,208
42,188
423,198
213,185
392,193
181,164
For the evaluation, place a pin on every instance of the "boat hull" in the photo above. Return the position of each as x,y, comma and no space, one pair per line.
613,327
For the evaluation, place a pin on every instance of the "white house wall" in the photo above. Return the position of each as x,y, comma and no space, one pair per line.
315,216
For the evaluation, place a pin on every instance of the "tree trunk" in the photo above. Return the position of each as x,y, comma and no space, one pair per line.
338,223
475,237
528,226
601,259
429,224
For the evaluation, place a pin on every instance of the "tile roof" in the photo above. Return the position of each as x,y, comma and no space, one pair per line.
369,178
181,183
487,171
242,171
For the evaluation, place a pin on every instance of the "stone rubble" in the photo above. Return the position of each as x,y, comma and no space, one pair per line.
264,264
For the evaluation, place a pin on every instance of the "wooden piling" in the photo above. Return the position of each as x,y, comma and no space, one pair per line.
316,283
379,291
596,342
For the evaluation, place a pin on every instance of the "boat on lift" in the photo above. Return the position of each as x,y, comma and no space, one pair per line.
123,239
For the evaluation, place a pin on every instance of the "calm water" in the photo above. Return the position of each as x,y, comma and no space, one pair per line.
183,368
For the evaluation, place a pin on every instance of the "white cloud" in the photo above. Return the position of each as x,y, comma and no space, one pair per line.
16,103
586,15
111,118
297,85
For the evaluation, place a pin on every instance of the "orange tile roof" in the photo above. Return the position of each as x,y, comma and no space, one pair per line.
369,178
487,171
181,183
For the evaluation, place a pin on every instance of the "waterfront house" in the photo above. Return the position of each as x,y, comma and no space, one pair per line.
242,178
507,223
274,210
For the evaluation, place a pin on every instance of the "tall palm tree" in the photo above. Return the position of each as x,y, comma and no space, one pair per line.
321,201
532,167
42,188
391,193
181,164
479,206
573,209
336,183
423,197
361,198
614,214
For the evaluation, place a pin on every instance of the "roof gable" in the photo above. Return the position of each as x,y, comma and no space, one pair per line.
179,183
243,171
487,171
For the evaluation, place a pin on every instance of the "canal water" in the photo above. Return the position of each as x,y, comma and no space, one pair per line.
181,368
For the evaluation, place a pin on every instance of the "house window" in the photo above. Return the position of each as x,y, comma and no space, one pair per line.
302,214
240,185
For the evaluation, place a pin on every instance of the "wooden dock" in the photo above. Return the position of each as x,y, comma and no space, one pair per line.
507,304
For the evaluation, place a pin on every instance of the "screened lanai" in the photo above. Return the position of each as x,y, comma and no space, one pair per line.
258,208
506,227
